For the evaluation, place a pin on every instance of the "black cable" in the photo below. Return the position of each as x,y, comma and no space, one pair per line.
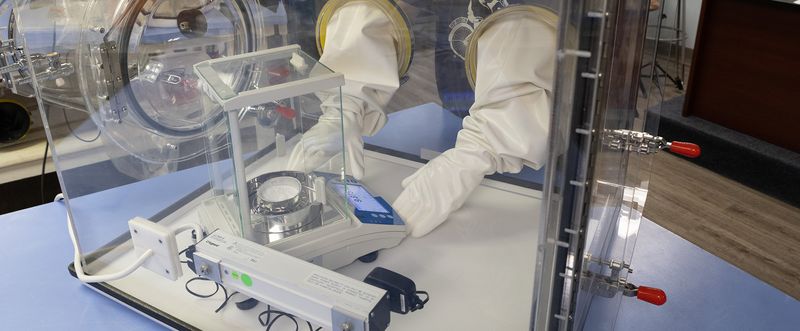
75,134
420,303
227,298
268,312
194,237
44,163
216,290
282,314
269,321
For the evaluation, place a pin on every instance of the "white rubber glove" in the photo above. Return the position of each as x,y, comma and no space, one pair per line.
360,43
507,127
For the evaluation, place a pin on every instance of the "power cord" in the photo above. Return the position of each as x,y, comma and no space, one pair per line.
75,134
269,321
44,163
216,290
78,259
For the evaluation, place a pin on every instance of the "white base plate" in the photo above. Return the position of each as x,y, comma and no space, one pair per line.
478,266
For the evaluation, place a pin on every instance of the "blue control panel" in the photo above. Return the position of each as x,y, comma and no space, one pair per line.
368,208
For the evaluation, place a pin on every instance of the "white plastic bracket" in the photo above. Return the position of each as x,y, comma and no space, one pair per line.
159,239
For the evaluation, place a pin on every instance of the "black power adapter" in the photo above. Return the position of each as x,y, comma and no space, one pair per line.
403,294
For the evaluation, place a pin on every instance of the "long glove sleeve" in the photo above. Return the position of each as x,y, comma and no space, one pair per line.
507,127
360,43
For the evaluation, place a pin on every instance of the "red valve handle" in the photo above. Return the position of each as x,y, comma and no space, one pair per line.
286,112
686,149
651,295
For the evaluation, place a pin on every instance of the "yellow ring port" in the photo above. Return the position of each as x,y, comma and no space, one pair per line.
404,46
539,13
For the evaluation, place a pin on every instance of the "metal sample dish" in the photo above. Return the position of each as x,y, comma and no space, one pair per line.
281,201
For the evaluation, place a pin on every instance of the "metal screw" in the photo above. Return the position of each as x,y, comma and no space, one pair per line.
167,271
345,326
160,242
135,231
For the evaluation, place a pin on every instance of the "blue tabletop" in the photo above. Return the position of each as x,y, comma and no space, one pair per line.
705,293
39,293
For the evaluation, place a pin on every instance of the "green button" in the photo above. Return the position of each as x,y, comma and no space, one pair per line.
246,280
235,275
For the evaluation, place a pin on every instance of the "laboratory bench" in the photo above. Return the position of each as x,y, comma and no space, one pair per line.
478,267
704,292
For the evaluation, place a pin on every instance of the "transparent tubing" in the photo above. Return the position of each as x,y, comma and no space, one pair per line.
238,173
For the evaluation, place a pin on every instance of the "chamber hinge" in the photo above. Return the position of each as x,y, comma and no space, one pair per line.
15,66
109,59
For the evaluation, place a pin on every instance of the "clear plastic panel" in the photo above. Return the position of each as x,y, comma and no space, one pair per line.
125,116
292,103
134,134
597,186
621,177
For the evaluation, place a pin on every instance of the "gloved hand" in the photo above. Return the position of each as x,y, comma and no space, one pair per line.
324,140
360,43
507,127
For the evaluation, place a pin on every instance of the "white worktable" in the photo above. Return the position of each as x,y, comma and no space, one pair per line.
478,267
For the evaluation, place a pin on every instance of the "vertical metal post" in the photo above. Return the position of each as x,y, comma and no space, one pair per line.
239,177
658,39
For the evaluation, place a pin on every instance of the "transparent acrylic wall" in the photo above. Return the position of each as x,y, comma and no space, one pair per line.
140,137
621,176
595,190
125,117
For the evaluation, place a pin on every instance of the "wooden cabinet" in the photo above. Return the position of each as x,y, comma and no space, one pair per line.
746,69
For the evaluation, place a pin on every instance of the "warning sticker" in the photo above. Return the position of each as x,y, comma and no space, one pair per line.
364,296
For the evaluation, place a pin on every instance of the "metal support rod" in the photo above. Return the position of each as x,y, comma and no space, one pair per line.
658,37
238,172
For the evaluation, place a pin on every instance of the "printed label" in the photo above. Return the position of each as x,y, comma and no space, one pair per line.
368,298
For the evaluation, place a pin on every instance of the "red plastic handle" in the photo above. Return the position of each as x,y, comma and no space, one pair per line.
652,295
286,112
685,149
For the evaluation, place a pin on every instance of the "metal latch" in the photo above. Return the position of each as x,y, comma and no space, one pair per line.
609,285
13,59
645,143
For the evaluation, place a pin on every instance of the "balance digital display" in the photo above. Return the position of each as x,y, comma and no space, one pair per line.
366,207
360,199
